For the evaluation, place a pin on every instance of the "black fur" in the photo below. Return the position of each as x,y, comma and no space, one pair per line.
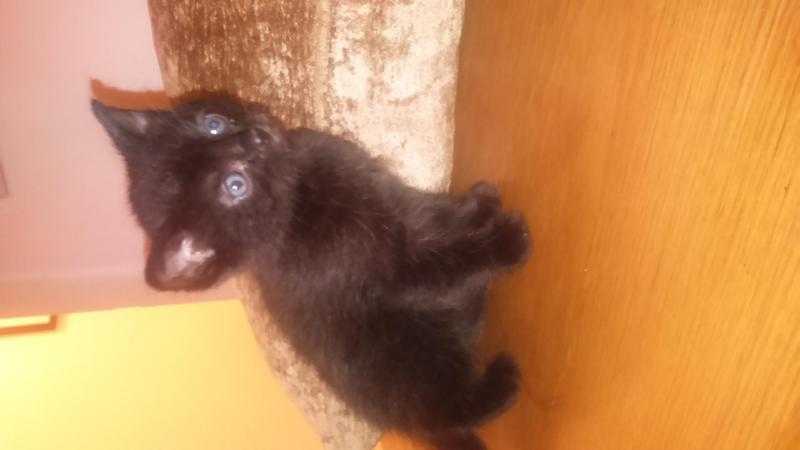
380,286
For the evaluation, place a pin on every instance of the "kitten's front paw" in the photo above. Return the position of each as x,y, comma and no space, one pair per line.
480,205
510,240
502,237
485,191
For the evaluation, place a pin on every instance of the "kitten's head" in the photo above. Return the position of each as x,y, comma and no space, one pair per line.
208,182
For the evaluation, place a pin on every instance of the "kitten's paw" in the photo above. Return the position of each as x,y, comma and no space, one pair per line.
492,395
485,191
458,440
501,382
511,240
480,205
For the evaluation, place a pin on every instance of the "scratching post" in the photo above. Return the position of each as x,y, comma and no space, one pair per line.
382,73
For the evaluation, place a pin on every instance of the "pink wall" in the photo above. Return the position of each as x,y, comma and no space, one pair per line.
67,239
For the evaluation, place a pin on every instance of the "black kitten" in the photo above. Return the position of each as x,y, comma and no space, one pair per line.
380,286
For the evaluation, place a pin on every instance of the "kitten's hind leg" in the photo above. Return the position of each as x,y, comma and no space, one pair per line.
457,440
491,396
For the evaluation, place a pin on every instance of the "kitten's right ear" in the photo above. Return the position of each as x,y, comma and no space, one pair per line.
128,128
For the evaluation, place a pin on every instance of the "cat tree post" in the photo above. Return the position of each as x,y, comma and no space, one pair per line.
382,73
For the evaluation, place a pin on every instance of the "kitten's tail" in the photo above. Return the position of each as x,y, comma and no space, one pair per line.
492,395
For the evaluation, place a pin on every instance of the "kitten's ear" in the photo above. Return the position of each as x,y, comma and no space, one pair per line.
128,128
183,262
268,124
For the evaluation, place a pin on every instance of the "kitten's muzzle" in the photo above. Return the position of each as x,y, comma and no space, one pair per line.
182,262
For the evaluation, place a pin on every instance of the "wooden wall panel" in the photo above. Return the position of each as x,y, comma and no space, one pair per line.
654,147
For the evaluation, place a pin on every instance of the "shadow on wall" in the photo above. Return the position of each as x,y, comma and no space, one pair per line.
27,325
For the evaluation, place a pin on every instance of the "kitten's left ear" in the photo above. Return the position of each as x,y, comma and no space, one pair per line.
128,128
268,124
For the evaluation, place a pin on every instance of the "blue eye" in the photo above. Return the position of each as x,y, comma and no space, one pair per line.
236,185
214,124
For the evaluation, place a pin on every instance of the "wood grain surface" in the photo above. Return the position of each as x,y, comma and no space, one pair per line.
654,147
